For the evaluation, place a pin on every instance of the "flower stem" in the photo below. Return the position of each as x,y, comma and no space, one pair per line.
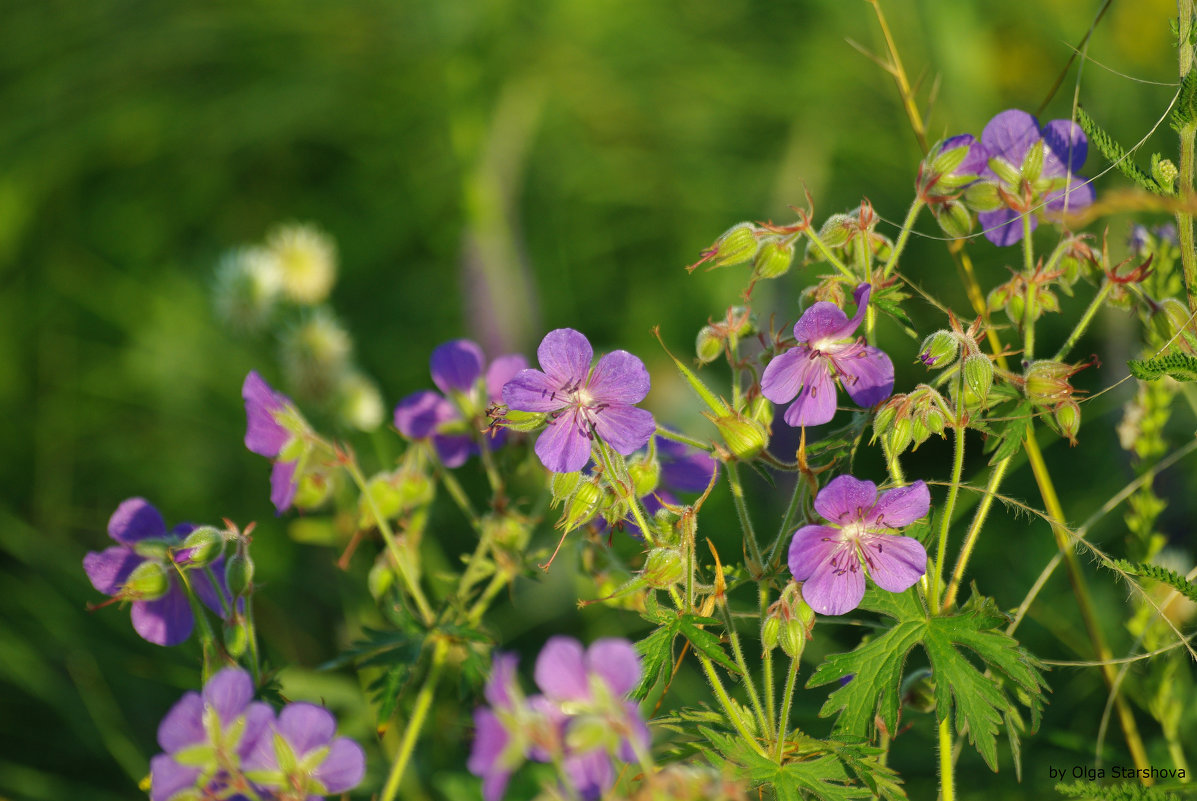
416,722
787,521
763,723
970,539
729,708
783,720
767,660
827,254
737,491
682,438
397,556
1028,314
1188,137
913,214
947,785
1086,318
958,431
621,483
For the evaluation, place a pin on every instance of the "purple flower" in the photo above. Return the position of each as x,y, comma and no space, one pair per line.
499,741
456,368
582,402
161,612
826,349
832,559
272,423
302,757
1008,138
207,736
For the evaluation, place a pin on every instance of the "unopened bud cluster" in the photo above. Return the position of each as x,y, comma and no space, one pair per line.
908,420
1047,385
788,623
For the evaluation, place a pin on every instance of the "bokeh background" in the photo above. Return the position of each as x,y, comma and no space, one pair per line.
491,170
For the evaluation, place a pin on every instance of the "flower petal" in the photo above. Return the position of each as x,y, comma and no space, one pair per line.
616,662
561,671
263,435
901,506
165,621
809,548
258,719
784,375
533,391
815,404
846,499
868,375
109,569
456,365
502,370
1077,195
453,449
895,563
134,520
619,377
591,774
490,738
1003,226
418,415
625,428
183,725
502,679
306,726
820,321
565,356
228,693
1068,143
282,485
343,768
683,468
835,589
1009,135
168,777
564,447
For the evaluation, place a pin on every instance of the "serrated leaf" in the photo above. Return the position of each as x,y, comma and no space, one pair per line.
656,655
1185,109
1162,575
1175,365
387,688
706,643
1115,153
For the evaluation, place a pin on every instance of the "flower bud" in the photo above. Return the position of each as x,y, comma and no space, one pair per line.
1047,382
741,321
1068,418
744,436
663,568
1164,172
203,546
589,733
149,581
918,690
1007,172
773,258
838,229
564,485
312,490
507,531
583,505
792,638
939,349
381,577
239,574
978,376
235,633
737,245
760,409
1178,323
645,474
770,632
897,439
954,218
523,421
983,196
1032,163
709,344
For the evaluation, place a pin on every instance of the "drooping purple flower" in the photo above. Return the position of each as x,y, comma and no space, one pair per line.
145,545
827,350
582,402
456,367
206,737
271,419
833,559
302,755
1008,138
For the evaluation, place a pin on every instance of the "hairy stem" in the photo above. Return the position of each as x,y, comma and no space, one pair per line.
900,244
783,720
737,490
974,530
416,722
1085,320
947,784
763,723
1188,136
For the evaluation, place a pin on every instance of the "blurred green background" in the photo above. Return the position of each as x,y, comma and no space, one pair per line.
487,169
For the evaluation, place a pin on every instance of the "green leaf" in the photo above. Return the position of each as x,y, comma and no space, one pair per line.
706,643
1185,109
656,652
1175,365
1162,575
980,701
1116,154
1010,436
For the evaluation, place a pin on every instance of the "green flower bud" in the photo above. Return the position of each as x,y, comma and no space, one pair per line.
239,574
737,245
204,546
149,581
884,418
792,638
760,409
978,376
663,568
1068,418
918,691
645,474
773,258
745,437
583,505
954,218
235,633
564,485
1016,308
1047,382
939,349
741,321
900,433
1006,171
589,733
1178,322
507,531
1164,172
1032,163
709,345
983,196
838,229
312,490
523,421
770,632
381,577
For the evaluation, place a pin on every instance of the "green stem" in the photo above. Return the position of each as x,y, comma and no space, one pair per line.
737,491
974,530
763,723
621,483
1028,315
958,432
1086,318
767,660
947,785
416,722
893,465
729,708
397,556
1188,137
787,521
682,438
783,720
907,225
497,582
458,495
207,637
827,254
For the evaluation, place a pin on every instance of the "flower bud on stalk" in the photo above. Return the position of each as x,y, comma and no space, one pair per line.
736,245
203,546
744,436
239,572
939,349
978,378
773,258
663,568
235,633
709,344
148,581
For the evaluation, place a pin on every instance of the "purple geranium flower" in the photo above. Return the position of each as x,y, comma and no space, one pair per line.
207,736
302,759
832,559
456,368
268,416
142,537
826,350
500,741
1008,138
582,402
